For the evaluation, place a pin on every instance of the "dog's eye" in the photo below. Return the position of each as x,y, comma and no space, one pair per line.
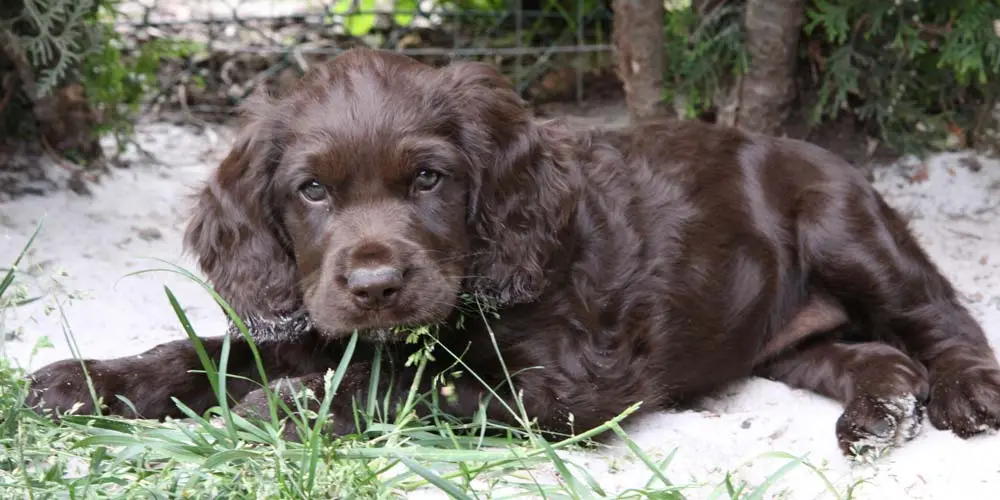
313,191
426,180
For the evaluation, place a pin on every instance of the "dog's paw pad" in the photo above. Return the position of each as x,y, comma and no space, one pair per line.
967,402
874,424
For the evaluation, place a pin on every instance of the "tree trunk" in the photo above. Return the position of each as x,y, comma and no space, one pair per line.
764,94
638,37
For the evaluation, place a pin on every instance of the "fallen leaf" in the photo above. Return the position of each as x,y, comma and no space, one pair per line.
957,135
921,175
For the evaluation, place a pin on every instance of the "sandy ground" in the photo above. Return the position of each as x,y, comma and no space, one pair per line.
89,245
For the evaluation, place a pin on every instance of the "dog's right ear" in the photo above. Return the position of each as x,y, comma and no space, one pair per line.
235,232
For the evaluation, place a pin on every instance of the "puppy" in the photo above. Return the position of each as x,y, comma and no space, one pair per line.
652,264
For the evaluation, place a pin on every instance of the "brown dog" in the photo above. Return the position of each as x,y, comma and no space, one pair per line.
653,263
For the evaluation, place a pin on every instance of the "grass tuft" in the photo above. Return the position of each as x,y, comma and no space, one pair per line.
219,454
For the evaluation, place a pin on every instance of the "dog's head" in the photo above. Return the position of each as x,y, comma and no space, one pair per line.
377,191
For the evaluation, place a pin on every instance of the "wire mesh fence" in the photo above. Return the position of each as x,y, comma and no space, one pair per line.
543,46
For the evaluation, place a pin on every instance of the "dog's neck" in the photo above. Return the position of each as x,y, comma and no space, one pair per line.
297,324
282,327
293,326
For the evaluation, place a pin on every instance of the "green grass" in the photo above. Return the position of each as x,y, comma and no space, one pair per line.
222,455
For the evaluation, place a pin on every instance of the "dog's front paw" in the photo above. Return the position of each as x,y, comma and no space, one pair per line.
966,401
61,387
298,396
255,407
872,424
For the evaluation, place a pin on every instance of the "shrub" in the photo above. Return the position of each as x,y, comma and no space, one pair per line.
916,74
53,44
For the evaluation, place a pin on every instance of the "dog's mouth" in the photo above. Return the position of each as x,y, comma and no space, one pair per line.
423,301
280,327
298,324
382,325
400,333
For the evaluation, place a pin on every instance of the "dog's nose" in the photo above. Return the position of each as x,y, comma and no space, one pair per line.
374,287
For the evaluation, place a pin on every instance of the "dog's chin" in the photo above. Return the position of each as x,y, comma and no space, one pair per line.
337,318
379,327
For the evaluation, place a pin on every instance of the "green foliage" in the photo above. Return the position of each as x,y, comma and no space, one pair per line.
359,15
478,5
74,41
12,293
117,79
405,10
703,54
913,72
357,22
54,35
220,454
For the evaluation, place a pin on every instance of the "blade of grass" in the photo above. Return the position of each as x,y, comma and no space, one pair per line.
227,456
74,350
445,486
235,318
636,451
826,481
578,489
331,385
760,490
9,276
210,369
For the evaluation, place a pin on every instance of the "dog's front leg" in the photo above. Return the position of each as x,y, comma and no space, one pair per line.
150,379
462,397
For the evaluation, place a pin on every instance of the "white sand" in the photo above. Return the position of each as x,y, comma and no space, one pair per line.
98,241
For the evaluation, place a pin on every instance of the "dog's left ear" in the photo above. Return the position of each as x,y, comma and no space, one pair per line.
522,191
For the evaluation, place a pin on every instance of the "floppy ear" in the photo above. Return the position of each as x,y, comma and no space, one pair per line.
234,231
523,192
